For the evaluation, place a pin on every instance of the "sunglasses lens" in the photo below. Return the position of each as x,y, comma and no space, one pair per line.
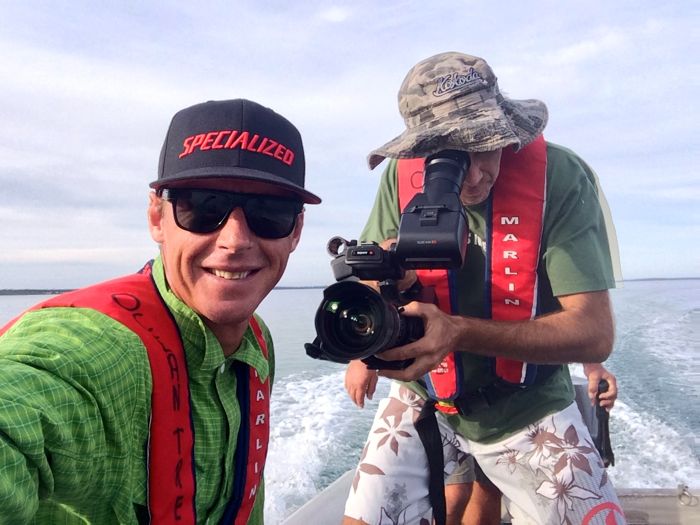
200,211
271,218
204,211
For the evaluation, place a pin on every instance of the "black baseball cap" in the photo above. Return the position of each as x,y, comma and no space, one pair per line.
233,139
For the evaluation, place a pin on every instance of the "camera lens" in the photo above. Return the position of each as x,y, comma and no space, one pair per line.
348,319
355,322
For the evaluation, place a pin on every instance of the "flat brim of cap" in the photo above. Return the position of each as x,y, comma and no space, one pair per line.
243,174
513,122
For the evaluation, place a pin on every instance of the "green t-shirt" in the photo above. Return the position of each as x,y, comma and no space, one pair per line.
75,390
574,258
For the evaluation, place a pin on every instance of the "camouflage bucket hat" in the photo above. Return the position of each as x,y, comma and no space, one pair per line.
452,101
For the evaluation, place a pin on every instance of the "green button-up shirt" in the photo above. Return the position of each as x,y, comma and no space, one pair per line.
75,390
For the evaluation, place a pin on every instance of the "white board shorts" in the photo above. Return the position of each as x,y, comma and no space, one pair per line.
549,473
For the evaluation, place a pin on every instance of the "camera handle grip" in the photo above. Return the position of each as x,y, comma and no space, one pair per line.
375,363
315,350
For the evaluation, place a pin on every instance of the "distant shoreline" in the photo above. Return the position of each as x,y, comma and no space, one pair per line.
21,291
55,291
662,279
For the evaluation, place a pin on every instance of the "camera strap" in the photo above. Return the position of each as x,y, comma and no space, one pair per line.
429,434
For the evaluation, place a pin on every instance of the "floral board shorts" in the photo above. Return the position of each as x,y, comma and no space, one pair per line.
549,473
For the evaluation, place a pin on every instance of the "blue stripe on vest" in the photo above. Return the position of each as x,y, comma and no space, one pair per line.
241,455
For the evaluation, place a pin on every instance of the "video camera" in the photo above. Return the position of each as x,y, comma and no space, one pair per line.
356,322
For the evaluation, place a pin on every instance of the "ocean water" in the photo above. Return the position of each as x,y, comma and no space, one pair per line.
317,433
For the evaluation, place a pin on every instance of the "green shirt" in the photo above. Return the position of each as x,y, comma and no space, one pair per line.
75,389
574,258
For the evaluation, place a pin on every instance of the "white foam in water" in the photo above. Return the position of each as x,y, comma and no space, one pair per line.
313,416
303,411
648,453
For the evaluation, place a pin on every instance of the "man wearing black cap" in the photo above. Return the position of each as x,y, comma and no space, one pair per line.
489,376
146,398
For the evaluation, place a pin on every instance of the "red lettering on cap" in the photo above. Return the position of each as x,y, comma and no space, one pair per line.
214,140
217,143
230,140
268,149
209,140
197,141
186,145
251,145
279,152
241,141
191,143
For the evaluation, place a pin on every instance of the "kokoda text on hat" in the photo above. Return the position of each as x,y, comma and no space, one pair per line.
452,101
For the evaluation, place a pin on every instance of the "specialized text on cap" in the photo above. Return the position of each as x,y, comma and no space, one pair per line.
232,139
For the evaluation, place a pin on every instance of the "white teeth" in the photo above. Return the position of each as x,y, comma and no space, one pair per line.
231,276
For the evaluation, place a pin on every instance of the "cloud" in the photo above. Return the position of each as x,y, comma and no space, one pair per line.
608,42
335,14
88,91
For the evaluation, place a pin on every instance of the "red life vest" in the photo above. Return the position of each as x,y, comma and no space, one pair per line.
135,302
514,231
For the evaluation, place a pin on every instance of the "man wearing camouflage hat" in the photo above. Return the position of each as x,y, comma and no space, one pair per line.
531,297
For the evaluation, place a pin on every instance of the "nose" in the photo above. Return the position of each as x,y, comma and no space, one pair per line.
474,175
235,235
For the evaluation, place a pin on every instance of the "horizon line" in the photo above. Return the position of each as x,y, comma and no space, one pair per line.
51,291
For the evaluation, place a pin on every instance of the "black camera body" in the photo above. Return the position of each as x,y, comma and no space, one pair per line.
356,322
366,262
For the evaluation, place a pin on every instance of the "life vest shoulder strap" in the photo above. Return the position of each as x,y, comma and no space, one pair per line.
134,301
517,216
253,437
520,207
410,179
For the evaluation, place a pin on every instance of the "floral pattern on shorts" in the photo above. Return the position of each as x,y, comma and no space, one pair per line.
390,432
565,467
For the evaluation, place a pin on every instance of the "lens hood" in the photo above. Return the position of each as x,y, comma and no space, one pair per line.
355,322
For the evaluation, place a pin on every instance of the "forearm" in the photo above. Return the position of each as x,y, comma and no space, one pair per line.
568,336
582,331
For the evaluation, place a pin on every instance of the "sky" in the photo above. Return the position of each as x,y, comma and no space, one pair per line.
88,89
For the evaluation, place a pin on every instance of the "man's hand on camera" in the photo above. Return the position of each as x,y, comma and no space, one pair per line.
428,351
360,382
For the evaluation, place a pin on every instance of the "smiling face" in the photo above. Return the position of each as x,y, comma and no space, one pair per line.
482,175
223,275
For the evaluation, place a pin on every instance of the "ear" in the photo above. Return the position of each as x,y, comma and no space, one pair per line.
296,234
155,217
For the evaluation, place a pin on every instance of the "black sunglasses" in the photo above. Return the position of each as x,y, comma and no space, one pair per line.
205,211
